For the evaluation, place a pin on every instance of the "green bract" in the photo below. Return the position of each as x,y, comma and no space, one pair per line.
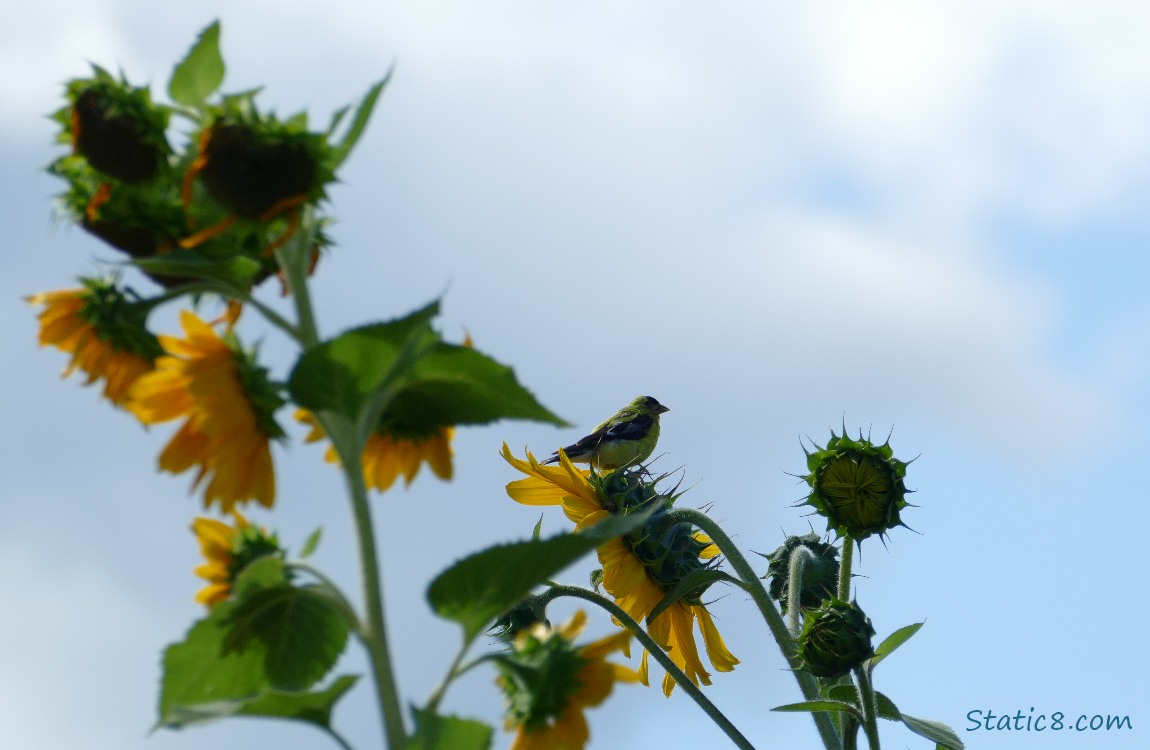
836,639
856,485
538,677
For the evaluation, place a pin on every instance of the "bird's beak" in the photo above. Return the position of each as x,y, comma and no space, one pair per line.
661,409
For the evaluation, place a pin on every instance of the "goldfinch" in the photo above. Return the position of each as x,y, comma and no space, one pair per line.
626,439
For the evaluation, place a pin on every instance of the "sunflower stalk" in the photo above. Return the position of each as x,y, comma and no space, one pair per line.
869,706
372,629
771,615
656,651
845,560
799,559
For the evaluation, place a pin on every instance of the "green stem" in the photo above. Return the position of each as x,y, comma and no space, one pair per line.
293,260
870,710
799,559
656,651
338,738
774,619
452,672
848,553
229,292
373,632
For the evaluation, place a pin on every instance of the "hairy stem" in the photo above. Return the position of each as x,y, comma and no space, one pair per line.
772,616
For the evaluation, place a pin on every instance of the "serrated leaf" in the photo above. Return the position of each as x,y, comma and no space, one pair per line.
890,643
341,375
401,377
479,588
823,705
238,269
886,708
696,581
935,731
844,693
198,673
309,546
300,631
201,72
435,732
311,707
342,150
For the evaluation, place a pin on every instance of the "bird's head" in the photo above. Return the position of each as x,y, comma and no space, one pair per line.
646,405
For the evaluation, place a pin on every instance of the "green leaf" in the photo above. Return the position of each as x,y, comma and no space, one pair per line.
845,693
342,374
201,72
402,378
262,573
312,707
693,584
435,732
300,632
890,643
197,671
823,705
341,150
311,544
481,587
886,707
238,269
935,731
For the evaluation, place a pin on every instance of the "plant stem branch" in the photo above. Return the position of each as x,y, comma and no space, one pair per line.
656,651
771,615
867,703
847,557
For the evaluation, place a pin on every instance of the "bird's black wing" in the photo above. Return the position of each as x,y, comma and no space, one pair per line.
632,429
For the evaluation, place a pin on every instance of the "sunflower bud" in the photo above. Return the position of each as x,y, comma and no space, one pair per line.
117,128
820,571
253,170
836,639
520,618
857,486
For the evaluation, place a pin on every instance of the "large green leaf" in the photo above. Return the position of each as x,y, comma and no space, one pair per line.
401,377
341,375
821,705
201,72
311,707
479,588
435,732
300,631
197,672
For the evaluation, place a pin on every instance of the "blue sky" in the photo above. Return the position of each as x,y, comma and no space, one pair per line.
771,217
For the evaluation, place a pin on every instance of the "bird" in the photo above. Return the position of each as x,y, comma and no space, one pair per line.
626,439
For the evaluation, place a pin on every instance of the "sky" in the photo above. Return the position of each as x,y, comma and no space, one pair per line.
921,220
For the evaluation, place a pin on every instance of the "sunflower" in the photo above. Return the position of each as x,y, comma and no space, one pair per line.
548,682
636,579
228,406
227,550
103,330
386,456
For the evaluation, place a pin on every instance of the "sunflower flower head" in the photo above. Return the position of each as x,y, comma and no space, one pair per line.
227,403
641,569
227,550
390,452
548,681
105,332
856,485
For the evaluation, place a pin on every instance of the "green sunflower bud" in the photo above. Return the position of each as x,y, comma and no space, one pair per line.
116,127
537,678
836,639
820,571
856,485
520,618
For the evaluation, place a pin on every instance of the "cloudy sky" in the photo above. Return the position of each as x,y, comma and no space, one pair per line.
775,218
